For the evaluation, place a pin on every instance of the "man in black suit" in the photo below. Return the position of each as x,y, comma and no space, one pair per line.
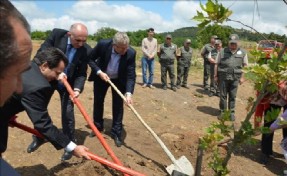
114,60
39,84
73,44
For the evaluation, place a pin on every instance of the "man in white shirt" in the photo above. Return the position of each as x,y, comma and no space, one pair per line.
149,49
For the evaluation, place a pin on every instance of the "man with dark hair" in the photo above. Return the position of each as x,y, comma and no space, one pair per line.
39,84
73,44
15,49
15,53
149,49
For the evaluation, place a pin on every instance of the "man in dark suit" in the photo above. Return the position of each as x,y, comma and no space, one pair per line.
114,60
73,44
39,84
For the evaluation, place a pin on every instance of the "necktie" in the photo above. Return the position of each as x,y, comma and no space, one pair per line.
70,52
70,55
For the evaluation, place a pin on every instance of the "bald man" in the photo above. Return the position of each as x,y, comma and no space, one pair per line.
73,44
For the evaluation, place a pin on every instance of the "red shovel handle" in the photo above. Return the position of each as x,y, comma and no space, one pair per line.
90,123
14,123
94,157
115,166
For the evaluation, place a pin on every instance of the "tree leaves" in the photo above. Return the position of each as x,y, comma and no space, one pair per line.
216,13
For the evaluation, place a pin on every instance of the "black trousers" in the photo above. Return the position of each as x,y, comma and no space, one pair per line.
100,90
206,73
267,139
68,117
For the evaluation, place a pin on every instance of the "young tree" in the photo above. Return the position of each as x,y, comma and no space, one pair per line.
265,75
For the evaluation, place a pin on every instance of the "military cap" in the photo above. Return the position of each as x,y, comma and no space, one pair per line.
168,36
233,38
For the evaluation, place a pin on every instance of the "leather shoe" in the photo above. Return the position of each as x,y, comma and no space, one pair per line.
92,134
36,143
264,159
66,156
117,140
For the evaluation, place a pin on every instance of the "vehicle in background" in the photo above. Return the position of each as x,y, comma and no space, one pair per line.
269,46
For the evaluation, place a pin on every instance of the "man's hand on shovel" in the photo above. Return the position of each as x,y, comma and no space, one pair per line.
76,90
129,100
62,76
81,152
104,76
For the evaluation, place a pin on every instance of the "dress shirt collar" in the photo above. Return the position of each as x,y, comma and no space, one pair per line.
69,41
114,51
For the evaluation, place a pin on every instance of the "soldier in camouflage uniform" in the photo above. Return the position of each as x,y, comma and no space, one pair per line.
211,58
228,72
206,64
166,53
184,55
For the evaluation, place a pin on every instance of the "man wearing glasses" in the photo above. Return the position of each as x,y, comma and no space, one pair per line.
73,44
112,59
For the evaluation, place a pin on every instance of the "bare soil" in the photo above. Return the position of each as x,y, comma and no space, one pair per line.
179,118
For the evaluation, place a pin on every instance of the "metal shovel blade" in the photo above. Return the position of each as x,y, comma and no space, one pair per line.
181,167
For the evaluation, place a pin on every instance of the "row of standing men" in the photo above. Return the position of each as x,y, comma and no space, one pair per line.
222,66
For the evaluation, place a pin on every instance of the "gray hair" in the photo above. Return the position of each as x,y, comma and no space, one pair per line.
8,45
121,38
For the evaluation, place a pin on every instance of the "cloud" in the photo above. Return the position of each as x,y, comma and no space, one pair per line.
125,17
128,17
272,16
31,10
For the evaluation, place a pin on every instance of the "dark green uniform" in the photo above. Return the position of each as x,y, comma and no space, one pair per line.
183,65
213,86
166,60
206,64
229,73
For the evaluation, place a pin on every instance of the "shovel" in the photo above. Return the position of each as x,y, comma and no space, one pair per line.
14,123
180,167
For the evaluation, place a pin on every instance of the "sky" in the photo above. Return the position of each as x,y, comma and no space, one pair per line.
163,16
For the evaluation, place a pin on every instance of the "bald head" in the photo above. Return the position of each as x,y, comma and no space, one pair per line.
78,35
79,28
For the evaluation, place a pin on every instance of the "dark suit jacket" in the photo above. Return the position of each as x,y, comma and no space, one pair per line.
78,70
99,60
34,99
